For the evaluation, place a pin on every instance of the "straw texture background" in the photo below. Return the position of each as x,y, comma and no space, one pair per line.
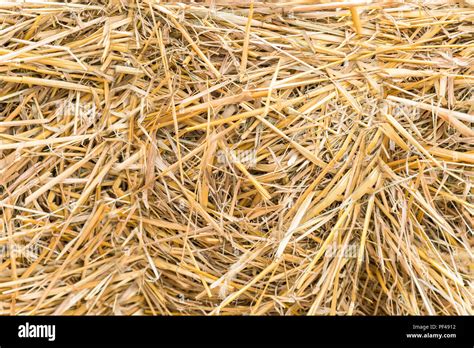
228,158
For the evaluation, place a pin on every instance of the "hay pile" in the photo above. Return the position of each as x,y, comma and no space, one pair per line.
286,158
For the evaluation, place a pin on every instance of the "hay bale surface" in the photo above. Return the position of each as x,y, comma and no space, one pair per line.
236,158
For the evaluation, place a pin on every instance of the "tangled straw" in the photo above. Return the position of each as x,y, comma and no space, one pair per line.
236,158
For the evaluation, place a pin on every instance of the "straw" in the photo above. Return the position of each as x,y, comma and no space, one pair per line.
236,157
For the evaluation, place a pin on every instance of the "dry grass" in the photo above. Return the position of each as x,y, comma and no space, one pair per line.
240,158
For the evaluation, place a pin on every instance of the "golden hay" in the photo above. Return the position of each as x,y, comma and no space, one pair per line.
236,158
